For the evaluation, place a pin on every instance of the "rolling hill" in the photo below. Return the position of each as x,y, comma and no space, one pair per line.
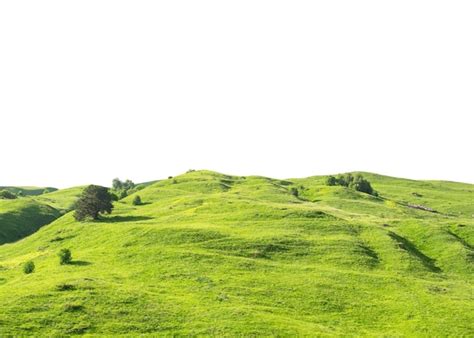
221,255
23,216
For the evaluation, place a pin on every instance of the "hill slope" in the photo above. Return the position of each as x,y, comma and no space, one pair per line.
213,254
25,215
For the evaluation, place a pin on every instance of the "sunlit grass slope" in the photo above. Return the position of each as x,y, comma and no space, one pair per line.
25,215
211,254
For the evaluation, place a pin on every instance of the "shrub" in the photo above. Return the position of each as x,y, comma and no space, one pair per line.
137,200
93,201
65,287
331,181
29,267
362,185
65,256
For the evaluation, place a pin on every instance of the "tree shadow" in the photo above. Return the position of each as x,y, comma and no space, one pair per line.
118,219
80,263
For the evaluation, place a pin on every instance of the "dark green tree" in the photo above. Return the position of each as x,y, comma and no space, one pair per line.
117,184
93,201
341,180
331,181
361,184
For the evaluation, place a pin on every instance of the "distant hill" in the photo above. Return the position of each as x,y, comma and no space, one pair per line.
29,191
209,254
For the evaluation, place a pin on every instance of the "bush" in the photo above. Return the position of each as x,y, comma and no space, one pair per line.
362,185
29,267
5,194
358,183
137,200
93,201
65,256
331,181
294,192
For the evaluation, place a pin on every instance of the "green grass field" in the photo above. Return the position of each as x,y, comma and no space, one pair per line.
212,254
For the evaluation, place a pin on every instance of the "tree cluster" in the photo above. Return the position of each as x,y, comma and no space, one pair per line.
122,188
358,183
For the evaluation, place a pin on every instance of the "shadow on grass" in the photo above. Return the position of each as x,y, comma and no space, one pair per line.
118,219
409,247
80,263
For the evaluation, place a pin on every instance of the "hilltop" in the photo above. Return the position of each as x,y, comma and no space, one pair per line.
215,254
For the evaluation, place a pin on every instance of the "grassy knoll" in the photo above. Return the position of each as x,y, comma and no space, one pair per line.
212,254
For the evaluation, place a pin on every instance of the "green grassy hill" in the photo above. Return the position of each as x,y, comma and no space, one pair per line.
23,216
212,254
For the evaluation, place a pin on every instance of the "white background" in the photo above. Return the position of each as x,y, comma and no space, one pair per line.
92,90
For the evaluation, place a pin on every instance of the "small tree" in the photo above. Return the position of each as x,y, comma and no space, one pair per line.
65,256
29,267
137,200
117,184
93,201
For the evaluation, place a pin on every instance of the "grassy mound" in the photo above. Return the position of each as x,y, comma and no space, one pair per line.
213,254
